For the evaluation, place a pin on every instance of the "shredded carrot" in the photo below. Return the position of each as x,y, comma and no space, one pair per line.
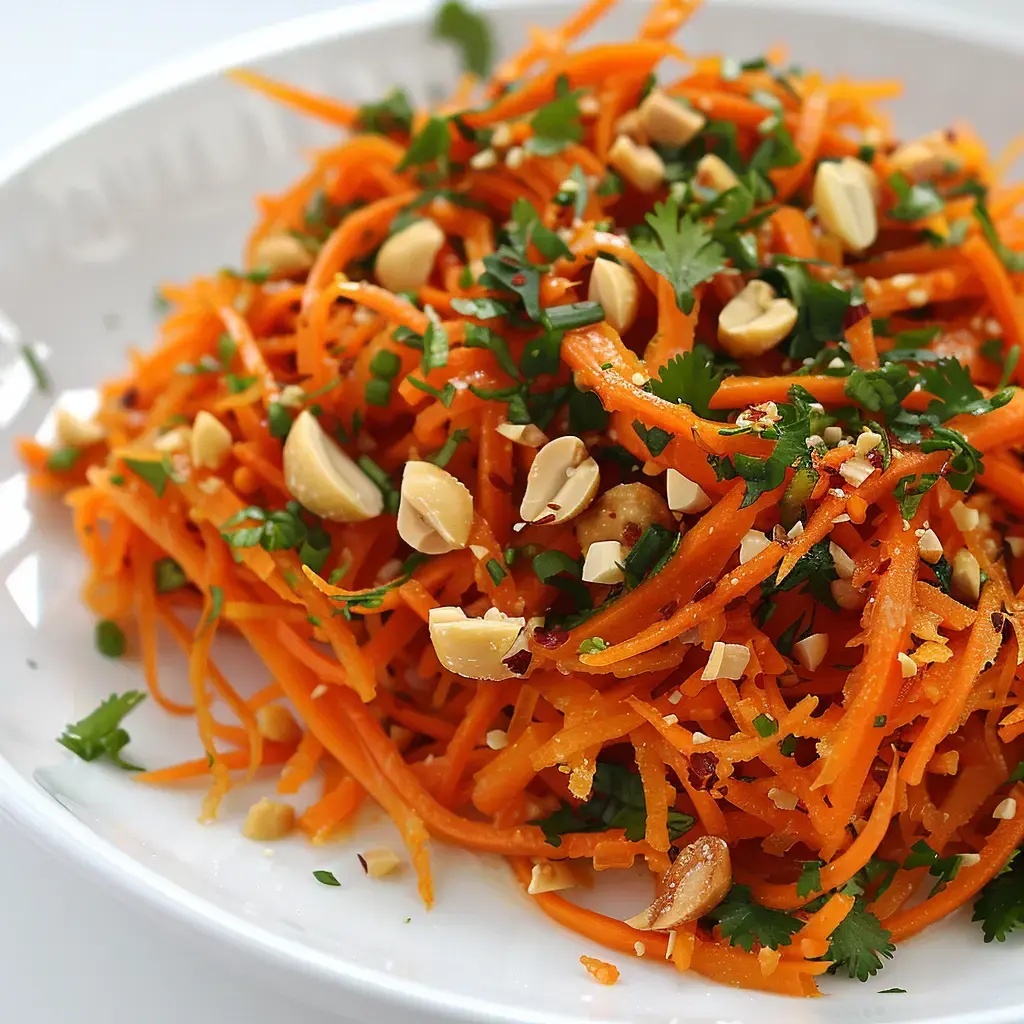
769,589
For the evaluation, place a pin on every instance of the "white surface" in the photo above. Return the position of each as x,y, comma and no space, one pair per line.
69,951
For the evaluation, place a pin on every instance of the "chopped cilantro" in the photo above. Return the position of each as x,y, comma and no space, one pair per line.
942,868
391,115
236,384
821,306
649,554
445,395
914,201
100,732
527,228
482,309
156,474
326,878
1013,261
592,645
859,943
909,492
1000,905
617,801
656,439
431,145
810,878
279,420
484,337
557,123
470,33
691,378
744,922
435,342
685,254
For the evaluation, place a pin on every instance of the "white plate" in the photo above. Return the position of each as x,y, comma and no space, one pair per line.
157,184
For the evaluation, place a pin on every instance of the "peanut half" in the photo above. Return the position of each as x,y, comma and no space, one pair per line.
755,321
562,482
476,648
323,478
694,885
405,261
436,511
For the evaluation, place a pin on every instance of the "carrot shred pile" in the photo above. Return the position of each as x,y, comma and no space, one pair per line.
813,654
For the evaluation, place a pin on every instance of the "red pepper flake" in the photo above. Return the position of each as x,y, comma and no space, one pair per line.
499,483
668,610
554,506
519,280
544,520
362,860
519,663
702,770
707,587
550,639
854,315
130,398
631,534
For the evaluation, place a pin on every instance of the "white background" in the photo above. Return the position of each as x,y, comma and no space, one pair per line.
67,951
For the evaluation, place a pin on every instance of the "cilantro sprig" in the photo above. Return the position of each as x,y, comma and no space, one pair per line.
100,734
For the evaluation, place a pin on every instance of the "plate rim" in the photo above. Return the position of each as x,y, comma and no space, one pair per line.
39,815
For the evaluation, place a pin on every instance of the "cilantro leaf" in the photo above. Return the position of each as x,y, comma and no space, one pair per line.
156,474
557,123
617,801
656,439
484,337
816,569
507,271
470,33
810,878
685,254
859,943
914,201
910,491
955,394
821,306
691,378
431,145
391,115
527,227
945,869
964,464
743,922
1000,905
100,731
168,575
482,309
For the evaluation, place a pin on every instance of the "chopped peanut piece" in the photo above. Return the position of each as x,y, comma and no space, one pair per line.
281,256
908,667
550,876
268,820
529,435
856,470
966,576
1006,810
405,261
603,563
929,547
210,441
475,648
639,165
726,661
667,122
380,862
846,595
752,543
277,724
436,510
966,519
714,173
845,201
73,432
811,651
684,495
614,287
844,564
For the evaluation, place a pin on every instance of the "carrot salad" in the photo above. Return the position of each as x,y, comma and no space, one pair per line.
608,467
